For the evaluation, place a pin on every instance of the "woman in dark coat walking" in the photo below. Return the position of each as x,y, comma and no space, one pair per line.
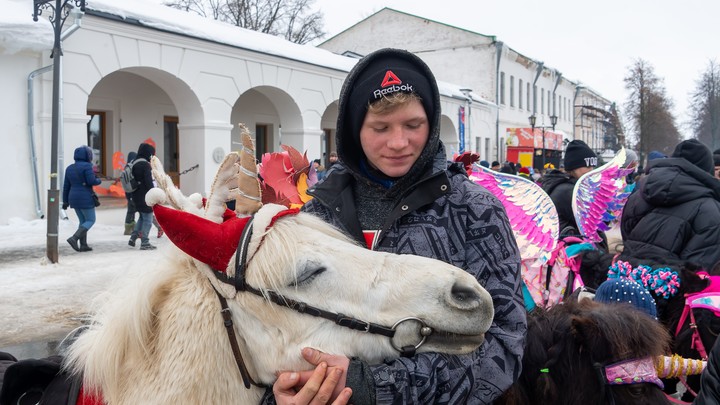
78,194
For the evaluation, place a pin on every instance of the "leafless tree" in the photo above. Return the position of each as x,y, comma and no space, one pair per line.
705,107
649,111
291,19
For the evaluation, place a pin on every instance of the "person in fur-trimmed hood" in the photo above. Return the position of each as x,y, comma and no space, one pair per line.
78,194
395,191
675,211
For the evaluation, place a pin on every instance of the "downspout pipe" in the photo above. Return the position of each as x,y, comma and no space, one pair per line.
77,23
538,72
498,53
558,78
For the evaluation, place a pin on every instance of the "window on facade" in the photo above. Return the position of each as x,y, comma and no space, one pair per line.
512,91
542,101
502,87
549,103
527,94
96,141
520,94
559,110
534,99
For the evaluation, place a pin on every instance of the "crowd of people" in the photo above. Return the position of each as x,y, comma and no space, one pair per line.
390,182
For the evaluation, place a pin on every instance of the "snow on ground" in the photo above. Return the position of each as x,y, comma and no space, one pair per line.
41,301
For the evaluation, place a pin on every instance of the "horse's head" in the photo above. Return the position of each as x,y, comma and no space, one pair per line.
302,259
571,350
291,280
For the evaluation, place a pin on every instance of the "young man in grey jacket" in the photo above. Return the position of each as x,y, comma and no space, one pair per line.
395,190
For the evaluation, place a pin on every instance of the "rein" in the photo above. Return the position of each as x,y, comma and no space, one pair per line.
346,321
708,298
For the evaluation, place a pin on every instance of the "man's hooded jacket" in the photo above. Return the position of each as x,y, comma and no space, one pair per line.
675,213
433,211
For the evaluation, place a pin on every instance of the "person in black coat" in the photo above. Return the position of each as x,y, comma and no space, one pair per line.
78,194
142,172
675,212
709,393
131,210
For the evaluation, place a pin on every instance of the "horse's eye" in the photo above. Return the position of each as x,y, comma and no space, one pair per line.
637,390
309,275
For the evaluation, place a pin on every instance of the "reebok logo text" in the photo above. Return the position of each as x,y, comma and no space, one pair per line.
379,93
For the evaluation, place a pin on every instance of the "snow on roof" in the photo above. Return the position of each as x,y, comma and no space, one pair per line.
18,31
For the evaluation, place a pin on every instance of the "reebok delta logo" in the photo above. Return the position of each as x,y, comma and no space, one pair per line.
391,84
390,79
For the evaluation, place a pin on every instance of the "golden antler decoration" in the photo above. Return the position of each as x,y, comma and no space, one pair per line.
248,198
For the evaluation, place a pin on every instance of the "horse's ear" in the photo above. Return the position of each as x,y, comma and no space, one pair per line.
585,330
691,281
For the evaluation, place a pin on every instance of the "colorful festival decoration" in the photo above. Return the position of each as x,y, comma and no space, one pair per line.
285,177
599,195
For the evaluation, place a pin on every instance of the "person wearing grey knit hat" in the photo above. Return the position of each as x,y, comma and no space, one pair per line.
394,190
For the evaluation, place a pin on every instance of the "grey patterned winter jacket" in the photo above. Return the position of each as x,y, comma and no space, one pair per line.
448,217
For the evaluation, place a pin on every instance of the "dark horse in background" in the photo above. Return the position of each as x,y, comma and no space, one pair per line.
569,346
594,270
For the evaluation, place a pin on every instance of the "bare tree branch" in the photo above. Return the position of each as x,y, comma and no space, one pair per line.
649,110
705,107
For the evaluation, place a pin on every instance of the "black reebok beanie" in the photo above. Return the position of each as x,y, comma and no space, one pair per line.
696,153
385,75
578,154
716,157
378,74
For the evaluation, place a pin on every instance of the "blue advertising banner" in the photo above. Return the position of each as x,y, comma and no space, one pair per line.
461,130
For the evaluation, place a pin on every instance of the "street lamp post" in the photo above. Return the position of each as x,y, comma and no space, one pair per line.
468,101
60,10
533,120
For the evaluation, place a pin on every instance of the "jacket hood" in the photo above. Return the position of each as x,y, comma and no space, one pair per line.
131,156
83,154
348,136
553,179
146,151
674,181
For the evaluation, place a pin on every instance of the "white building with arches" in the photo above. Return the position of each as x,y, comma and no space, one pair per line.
135,72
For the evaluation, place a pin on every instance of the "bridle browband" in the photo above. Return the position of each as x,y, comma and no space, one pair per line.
241,264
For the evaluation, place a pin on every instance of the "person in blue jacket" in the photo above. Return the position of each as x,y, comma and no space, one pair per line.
78,194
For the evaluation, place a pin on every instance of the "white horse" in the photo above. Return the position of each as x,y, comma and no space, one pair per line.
162,338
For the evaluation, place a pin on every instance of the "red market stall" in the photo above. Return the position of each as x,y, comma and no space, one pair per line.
526,147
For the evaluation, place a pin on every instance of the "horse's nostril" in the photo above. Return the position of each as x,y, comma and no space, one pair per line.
464,293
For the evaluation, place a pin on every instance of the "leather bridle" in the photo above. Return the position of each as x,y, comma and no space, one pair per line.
346,321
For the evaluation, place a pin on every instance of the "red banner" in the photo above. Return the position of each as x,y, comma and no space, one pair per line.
525,137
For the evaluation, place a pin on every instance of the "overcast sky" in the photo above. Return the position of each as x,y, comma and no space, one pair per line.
590,42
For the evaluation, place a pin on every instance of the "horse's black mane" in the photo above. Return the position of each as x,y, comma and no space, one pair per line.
594,270
567,341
